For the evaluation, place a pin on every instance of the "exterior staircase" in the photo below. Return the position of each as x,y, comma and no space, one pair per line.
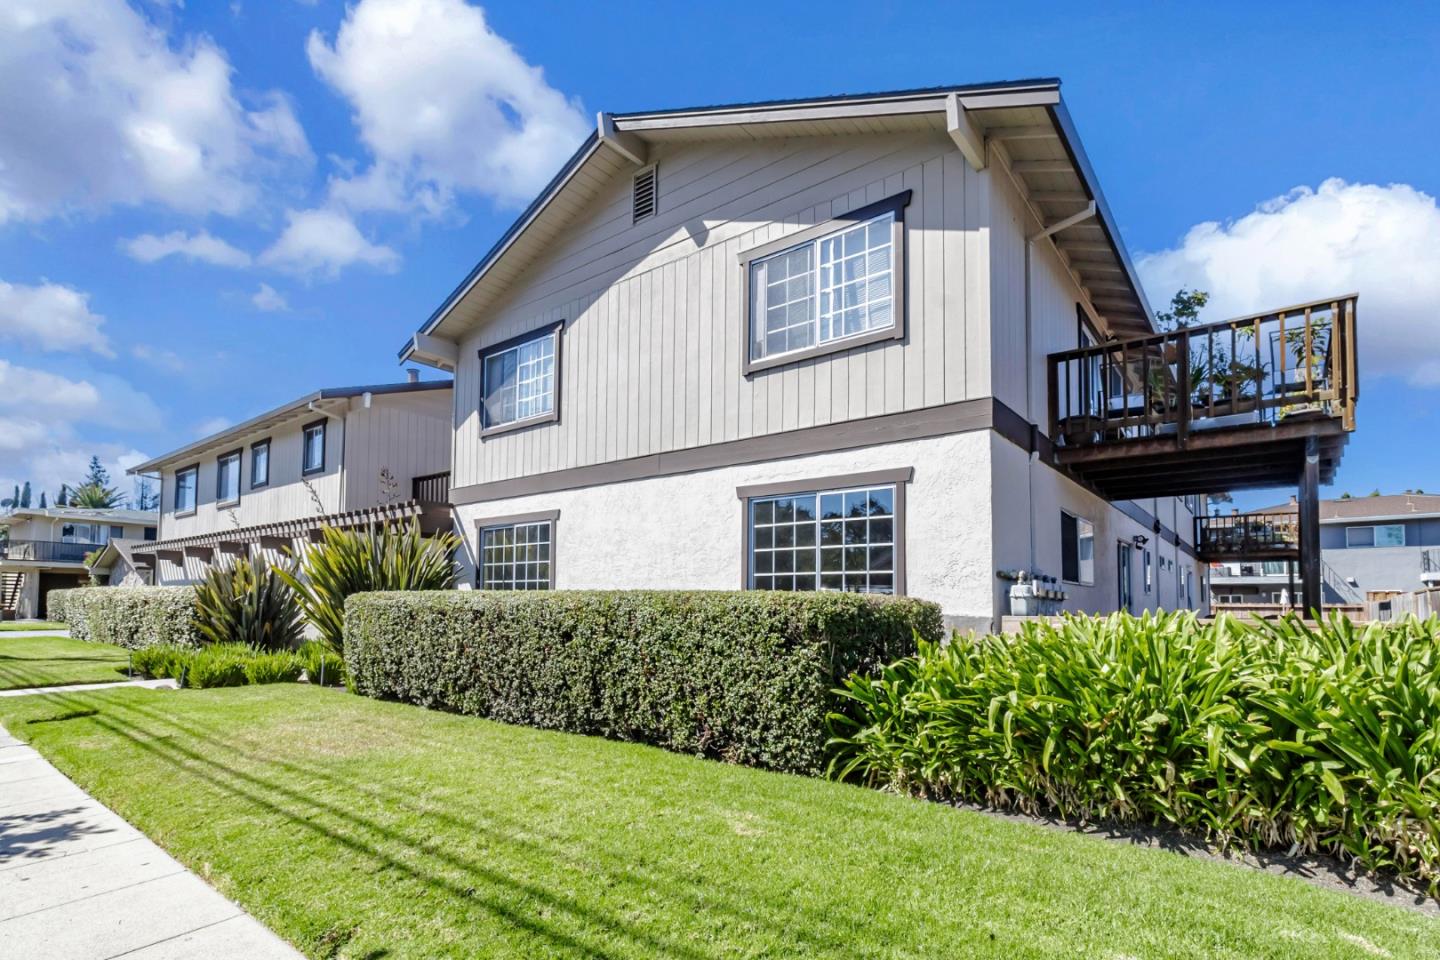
11,583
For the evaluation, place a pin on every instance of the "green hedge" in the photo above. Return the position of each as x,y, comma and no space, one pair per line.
1253,733
745,677
131,617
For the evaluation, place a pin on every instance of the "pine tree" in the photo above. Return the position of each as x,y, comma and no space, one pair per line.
61,498
42,499
97,474
25,495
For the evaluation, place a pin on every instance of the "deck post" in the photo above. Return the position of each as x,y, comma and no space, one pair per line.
1309,517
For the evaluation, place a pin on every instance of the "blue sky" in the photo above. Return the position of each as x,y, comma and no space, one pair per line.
208,209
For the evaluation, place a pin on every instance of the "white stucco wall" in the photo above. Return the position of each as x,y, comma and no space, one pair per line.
684,532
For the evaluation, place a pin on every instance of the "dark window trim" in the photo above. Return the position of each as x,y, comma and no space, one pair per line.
895,204
175,507
899,477
324,424
554,329
551,517
239,454
1077,517
253,447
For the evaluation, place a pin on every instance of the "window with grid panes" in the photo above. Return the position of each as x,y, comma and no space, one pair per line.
516,556
827,540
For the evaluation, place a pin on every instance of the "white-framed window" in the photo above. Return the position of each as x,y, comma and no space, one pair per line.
824,290
227,477
835,539
186,482
517,556
313,448
518,379
1077,549
1380,535
833,286
259,464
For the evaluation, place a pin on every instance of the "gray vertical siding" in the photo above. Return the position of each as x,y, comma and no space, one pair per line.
654,318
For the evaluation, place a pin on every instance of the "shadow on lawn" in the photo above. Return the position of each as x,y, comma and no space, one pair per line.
265,789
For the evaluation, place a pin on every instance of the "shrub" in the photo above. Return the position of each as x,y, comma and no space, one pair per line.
219,665
161,661
355,561
273,667
248,603
742,676
1259,734
322,665
130,617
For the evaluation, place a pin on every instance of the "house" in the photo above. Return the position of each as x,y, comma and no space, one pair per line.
889,342
1373,548
341,457
45,549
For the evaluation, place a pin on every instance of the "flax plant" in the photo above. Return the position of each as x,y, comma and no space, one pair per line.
1264,735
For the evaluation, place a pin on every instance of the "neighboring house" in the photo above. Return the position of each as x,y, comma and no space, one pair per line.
1373,548
880,342
45,549
343,457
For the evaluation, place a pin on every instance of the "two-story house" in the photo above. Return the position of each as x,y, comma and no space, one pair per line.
1372,548
884,343
45,549
340,457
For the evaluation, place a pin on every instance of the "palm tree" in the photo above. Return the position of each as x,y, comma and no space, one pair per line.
94,496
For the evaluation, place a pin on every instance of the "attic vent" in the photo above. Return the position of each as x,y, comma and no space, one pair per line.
642,201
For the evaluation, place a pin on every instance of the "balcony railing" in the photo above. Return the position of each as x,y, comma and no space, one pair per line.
1247,535
1294,362
47,551
431,489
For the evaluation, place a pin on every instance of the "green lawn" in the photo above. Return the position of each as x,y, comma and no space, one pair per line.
356,828
13,626
51,661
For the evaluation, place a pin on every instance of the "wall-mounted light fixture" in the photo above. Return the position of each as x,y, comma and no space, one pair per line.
1139,540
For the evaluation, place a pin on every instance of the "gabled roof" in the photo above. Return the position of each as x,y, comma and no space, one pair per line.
287,411
1026,117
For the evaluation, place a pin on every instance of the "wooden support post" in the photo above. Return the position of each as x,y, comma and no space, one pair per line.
1309,516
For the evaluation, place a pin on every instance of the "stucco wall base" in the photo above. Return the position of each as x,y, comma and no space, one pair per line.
685,531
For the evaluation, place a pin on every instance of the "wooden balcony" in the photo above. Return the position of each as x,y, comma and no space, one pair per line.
1252,536
1220,407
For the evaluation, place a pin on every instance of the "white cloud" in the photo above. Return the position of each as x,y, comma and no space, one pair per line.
322,241
60,403
45,416
1380,241
52,317
99,106
212,425
444,104
167,360
269,300
202,246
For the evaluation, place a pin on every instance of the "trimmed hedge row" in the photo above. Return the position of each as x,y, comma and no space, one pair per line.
745,677
131,617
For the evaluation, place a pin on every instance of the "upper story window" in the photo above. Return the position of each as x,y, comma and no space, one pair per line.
1077,550
186,482
518,380
150,533
227,477
1383,535
313,448
259,464
832,287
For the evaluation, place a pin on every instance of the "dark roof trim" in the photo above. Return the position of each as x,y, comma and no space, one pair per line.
1071,141
256,422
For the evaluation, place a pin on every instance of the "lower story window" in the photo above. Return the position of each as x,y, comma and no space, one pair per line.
517,556
842,539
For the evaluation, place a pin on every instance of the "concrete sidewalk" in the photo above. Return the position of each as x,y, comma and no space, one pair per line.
81,687
79,883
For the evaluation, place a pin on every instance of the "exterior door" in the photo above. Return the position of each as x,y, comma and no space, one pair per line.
1125,577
